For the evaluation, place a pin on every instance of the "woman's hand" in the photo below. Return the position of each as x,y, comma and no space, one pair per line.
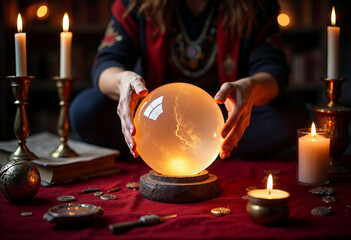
127,88
239,97
132,88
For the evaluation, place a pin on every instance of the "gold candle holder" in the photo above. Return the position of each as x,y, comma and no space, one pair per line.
20,89
268,210
335,118
64,89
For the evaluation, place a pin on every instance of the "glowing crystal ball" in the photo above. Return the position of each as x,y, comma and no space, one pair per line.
178,129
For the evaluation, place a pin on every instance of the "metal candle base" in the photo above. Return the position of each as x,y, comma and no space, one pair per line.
268,211
64,89
336,118
185,189
20,89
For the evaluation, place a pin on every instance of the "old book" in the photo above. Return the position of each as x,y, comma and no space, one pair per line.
92,160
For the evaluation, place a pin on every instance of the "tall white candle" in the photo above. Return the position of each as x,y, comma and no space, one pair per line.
20,49
333,48
65,49
313,158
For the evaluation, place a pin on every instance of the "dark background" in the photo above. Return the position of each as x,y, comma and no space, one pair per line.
305,46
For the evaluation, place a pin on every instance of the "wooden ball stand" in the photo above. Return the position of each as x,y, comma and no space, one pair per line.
182,189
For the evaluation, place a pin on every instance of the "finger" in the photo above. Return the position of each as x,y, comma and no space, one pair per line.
223,93
234,114
234,136
138,85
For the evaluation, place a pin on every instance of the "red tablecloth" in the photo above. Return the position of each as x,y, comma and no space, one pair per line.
194,220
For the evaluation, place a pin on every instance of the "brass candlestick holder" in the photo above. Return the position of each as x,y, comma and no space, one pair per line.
335,117
64,89
20,89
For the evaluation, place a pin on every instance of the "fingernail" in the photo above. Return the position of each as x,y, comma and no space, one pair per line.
224,134
131,130
219,98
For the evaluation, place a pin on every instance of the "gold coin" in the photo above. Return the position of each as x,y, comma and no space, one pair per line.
26,214
108,197
133,185
220,211
66,198
98,194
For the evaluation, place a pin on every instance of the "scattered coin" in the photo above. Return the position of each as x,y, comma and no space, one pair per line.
220,211
90,190
26,214
66,198
321,211
251,188
245,197
98,194
108,197
271,171
133,185
116,189
328,199
322,190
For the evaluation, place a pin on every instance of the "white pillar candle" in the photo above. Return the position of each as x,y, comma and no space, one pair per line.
20,49
313,158
333,48
65,49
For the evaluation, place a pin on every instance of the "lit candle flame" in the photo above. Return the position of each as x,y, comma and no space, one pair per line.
19,23
333,17
270,184
313,130
65,23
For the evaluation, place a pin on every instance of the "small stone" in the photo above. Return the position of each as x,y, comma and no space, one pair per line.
108,197
328,199
251,188
321,211
98,194
322,190
26,214
245,197
116,189
271,171
90,190
66,198
220,211
133,185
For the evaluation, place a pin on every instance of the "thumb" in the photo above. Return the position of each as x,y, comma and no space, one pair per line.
139,87
222,95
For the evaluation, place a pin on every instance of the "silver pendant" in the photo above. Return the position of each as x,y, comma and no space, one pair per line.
193,51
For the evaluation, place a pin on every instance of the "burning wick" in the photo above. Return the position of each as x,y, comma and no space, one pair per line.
270,184
313,130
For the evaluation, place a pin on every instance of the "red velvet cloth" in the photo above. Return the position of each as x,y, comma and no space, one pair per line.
194,220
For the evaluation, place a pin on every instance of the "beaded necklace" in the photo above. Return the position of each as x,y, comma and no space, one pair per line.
194,57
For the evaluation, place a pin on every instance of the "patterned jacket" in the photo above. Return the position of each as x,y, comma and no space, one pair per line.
129,37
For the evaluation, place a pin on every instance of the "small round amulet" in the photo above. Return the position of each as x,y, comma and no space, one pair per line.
19,181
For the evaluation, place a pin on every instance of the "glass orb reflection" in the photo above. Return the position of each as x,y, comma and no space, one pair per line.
178,129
